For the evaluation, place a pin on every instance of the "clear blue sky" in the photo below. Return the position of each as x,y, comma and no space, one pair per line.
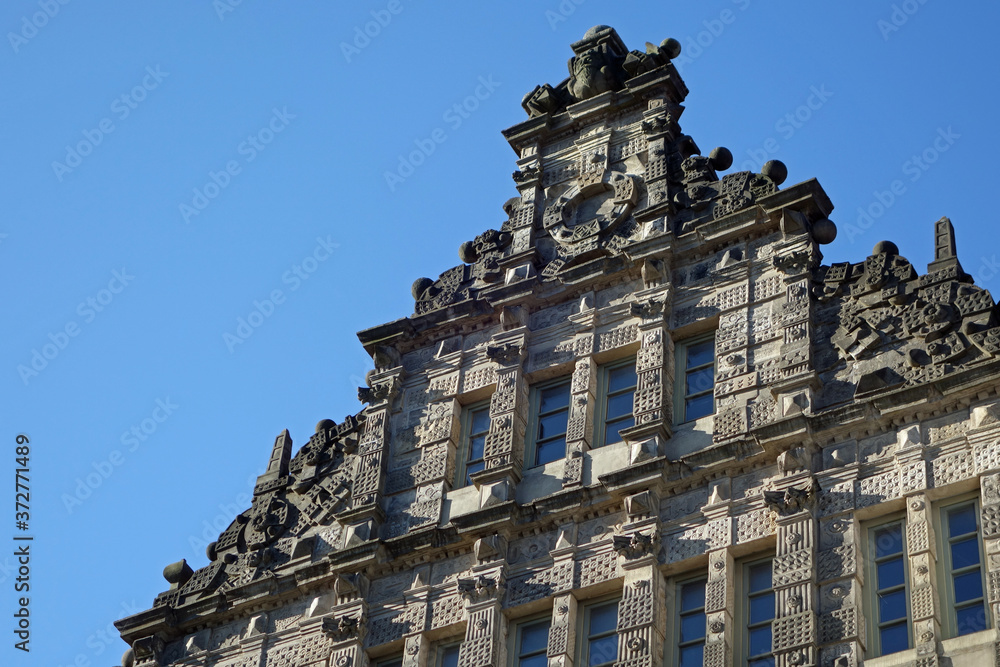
132,296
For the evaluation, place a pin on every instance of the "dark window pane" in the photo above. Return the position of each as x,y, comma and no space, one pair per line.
692,656
552,425
962,521
692,627
540,660
700,354
889,540
621,378
603,651
761,609
480,421
619,405
553,398
449,657
699,407
534,637
761,662
611,430
693,595
890,573
603,619
474,467
699,381
550,451
965,553
894,638
760,640
968,586
892,606
760,577
970,619
476,447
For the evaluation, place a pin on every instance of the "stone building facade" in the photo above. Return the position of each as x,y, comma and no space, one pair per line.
641,424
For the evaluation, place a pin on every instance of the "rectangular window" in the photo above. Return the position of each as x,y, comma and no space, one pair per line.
475,426
600,634
391,662
695,384
889,581
616,392
691,623
962,560
447,656
758,612
549,422
530,644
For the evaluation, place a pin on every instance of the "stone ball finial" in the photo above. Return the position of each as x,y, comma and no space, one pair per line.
593,32
211,552
325,424
467,252
775,170
824,231
721,158
178,573
887,247
128,658
420,286
671,47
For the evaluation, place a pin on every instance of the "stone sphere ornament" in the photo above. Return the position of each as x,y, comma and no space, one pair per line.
775,170
824,231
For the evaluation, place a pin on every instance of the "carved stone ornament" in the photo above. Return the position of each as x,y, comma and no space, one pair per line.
790,501
507,354
344,628
480,588
637,544
381,390
588,211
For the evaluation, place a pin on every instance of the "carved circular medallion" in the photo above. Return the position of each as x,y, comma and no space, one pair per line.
793,538
838,591
717,626
636,644
589,209
794,602
796,659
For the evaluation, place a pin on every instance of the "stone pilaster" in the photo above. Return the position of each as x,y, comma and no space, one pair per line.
417,648
794,635
653,403
990,500
580,432
641,612
562,632
508,414
366,514
841,634
921,551
720,591
486,627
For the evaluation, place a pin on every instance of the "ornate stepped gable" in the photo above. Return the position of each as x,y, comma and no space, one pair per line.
836,388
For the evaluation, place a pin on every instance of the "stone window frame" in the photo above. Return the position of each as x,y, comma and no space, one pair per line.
869,528
583,623
674,638
949,621
465,440
741,637
531,435
442,648
601,406
514,638
680,374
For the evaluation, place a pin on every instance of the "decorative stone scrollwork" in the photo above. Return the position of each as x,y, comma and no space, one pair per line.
380,390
